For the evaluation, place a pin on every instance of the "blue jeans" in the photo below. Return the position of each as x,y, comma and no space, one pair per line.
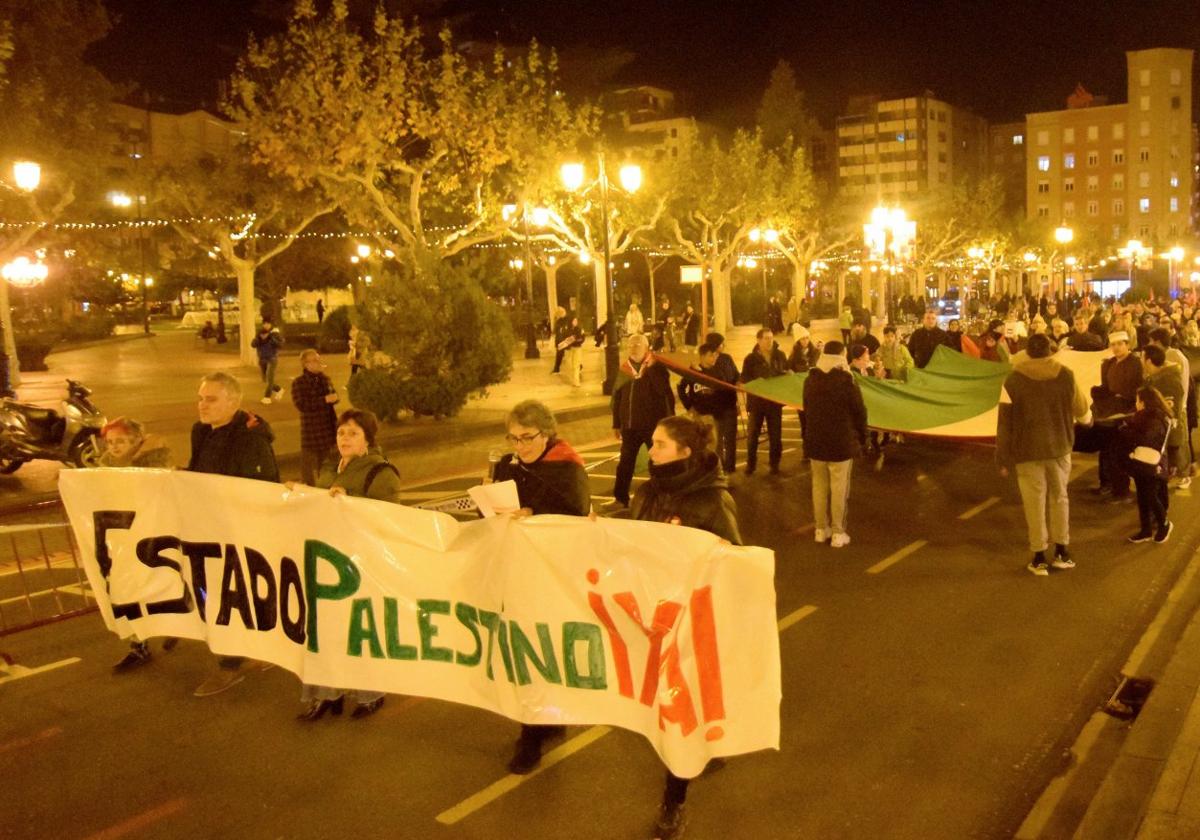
268,374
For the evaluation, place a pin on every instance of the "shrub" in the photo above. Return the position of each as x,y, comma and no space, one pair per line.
334,335
445,338
377,391
90,327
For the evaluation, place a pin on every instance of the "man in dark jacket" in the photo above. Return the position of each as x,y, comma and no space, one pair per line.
1120,377
702,395
836,429
765,361
1082,338
925,339
641,397
229,441
1035,431
314,396
267,343
561,325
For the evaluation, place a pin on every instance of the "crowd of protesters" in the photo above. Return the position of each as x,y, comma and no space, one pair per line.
1139,419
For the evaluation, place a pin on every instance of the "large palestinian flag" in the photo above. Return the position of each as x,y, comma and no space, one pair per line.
954,396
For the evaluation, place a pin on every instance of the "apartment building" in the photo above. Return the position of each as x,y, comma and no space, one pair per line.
1006,160
1125,170
644,119
888,148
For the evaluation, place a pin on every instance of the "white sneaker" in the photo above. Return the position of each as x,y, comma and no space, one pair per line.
1184,483
840,540
265,401
820,535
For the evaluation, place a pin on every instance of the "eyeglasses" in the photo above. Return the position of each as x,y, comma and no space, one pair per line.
522,439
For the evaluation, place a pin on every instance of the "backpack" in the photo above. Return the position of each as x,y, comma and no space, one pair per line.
376,470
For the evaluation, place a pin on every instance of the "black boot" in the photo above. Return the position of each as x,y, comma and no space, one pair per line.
139,654
317,709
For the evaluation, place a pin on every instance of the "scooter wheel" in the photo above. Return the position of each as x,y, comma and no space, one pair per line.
84,452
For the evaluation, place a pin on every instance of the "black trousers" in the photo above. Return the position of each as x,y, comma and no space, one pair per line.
558,357
675,793
726,423
632,441
1152,499
772,413
1113,461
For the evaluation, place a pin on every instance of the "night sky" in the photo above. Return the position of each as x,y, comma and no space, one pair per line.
999,59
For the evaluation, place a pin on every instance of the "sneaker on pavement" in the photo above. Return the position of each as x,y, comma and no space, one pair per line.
265,401
615,506
1038,565
1184,483
1141,537
821,535
1063,563
220,681
139,654
840,540
1164,533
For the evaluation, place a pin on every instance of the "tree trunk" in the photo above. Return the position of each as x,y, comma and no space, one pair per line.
551,290
10,342
601,292
722,300
800,283
247,317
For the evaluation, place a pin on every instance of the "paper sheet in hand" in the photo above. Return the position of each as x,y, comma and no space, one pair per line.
498,497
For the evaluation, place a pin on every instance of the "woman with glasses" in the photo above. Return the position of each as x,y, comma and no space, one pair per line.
550,478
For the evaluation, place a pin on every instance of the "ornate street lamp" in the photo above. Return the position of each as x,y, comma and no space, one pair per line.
890,235
573,177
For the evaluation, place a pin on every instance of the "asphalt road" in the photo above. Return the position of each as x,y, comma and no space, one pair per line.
930,686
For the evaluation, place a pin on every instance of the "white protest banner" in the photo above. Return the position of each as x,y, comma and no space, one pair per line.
655,628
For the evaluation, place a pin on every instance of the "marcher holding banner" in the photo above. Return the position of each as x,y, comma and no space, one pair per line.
550,478
686,487
361,471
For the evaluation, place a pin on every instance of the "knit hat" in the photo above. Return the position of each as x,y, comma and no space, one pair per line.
1119,335
799,332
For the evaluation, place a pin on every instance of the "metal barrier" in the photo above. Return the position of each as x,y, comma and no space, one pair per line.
41,579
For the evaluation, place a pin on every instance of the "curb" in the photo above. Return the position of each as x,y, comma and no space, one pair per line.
1137,754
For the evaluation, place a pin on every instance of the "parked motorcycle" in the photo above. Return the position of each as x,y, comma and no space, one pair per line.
70,435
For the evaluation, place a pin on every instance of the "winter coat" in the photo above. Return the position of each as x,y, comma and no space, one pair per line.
835,417
1145,428
923,342
699,395
555,483
1039,406
151,452
756,366
954,340
1167,381
694,491
1119,382
267,343
690,322
897,360
642,395
383,476
1087,341
241,448
803,359
318,419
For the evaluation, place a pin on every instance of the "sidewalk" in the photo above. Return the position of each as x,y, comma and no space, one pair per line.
1152,790
154,379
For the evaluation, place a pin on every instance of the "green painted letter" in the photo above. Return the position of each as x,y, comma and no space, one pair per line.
425,609
391,632
361,631
522,651
468,616
577,631
348,580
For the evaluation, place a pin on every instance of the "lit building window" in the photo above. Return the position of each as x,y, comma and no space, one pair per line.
1174,203
1069,160
1174,180
1043,163
1018,139
1144,205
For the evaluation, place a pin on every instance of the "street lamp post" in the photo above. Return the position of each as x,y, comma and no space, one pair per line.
889,231
27,176
539,214
1063,235
573,176
1174,256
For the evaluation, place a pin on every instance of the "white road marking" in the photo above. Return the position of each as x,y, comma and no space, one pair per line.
979,508
896,557
799,615
497,789
1038,816
8,673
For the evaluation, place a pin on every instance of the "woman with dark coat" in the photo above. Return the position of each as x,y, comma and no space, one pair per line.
550,478
686,487
361,471
690,322
1144,436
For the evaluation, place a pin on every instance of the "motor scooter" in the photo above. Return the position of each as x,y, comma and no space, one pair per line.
30,432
